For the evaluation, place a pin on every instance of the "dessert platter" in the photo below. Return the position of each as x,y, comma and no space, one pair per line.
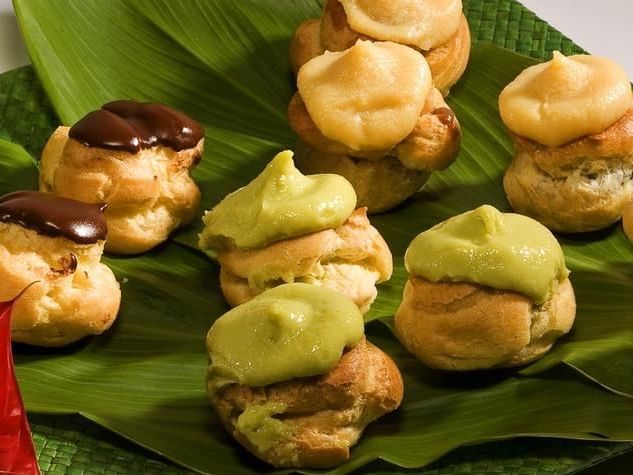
304,235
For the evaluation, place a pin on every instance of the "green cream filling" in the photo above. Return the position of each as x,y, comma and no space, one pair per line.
290,331
484,246
280,203
260,428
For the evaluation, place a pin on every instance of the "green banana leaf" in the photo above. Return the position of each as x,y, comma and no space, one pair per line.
18,169
225,63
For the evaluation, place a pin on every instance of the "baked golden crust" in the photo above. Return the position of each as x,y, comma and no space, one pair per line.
581,186
73,295
382,181
448,61
336,33
305,44
332,32
325,415
350,259
149,194
461,326
434,142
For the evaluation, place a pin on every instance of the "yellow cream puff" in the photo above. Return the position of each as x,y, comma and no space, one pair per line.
137,158
486,290
52,247
294,380
372,115
571,120
438,30
287,227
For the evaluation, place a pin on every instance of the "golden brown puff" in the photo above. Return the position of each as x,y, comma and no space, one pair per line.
581,186
463,326
71,295
324,415
149,193
350,259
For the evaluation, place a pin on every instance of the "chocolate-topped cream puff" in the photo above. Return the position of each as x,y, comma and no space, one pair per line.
371,114
137,158
287,227
571,120
53,246
293,378
436,29
486,290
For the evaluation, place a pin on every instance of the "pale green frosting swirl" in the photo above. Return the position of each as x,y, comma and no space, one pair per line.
280,203
484,246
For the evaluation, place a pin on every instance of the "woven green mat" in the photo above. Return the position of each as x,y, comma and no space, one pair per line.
72,445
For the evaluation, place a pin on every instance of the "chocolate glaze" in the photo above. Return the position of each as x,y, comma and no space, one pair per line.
52,216
132,126
446,116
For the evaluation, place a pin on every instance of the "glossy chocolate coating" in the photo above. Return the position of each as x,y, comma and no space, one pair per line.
132,126
52,216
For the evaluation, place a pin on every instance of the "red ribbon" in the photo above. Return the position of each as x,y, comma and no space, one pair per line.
17,455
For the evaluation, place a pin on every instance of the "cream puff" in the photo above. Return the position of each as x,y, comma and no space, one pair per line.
437,30
52,247
286,227
371,114
485,290
294,380
137,158
571,120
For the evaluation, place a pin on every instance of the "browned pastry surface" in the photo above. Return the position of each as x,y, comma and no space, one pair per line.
349,259
325,415
580,186
149,193
73,294
462,326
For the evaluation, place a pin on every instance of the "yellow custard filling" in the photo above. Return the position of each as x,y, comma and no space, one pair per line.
566,98
368,97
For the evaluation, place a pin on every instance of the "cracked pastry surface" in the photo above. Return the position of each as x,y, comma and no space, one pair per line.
70,293
293,378
438,30
573,161
149,189
350,259
325,415
582,186
462,326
